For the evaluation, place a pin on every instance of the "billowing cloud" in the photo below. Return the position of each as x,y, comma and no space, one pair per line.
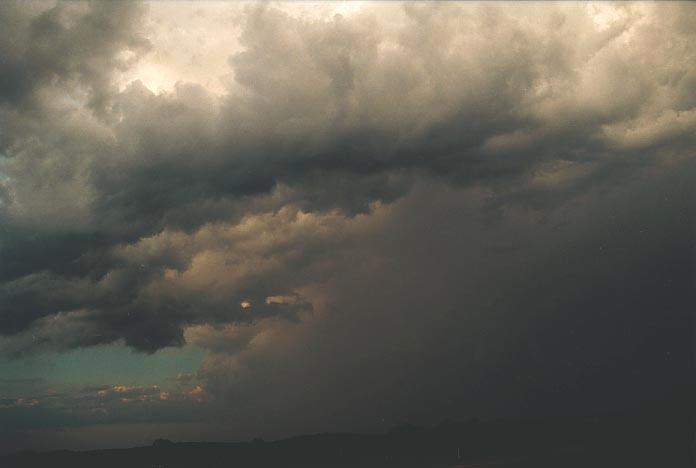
434,198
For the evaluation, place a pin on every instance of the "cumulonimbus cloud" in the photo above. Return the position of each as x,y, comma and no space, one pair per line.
129,214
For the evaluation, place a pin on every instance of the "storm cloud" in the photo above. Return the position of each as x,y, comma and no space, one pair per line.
399,200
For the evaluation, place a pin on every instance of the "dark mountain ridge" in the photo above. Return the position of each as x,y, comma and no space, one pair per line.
656,440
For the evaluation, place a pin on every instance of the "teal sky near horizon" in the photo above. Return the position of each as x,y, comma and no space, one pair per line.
112,364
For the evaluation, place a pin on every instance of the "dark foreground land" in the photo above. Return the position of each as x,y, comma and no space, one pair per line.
610,441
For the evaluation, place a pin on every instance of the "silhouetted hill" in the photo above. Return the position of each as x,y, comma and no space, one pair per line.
609,441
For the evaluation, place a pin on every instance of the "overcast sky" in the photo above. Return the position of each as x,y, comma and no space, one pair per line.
226,220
